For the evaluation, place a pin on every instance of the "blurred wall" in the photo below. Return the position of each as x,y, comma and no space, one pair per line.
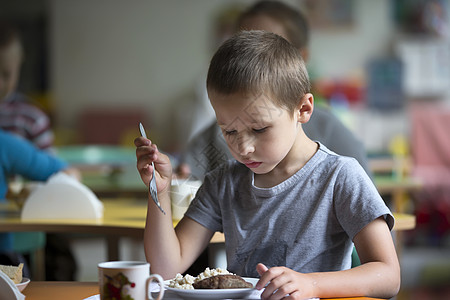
150,53
345,51
126,53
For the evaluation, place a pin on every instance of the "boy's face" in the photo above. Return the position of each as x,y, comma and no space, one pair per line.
258,132
10,61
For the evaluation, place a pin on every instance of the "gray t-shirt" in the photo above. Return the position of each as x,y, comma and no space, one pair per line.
306,223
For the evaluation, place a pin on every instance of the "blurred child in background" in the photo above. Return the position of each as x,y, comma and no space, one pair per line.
17,113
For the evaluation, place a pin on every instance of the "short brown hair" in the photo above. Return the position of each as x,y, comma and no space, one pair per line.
255,62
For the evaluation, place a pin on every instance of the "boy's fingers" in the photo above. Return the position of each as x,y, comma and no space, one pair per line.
141,141
261,269
147,152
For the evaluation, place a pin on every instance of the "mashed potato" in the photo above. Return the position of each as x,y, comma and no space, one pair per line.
185,282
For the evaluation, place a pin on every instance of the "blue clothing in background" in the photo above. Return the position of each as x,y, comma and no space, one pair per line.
20,157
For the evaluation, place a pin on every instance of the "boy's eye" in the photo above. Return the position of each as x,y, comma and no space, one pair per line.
229,132
260,130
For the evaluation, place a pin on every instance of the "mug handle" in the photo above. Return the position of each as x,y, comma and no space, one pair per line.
160,281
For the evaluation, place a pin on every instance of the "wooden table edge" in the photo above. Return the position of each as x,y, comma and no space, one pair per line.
65,289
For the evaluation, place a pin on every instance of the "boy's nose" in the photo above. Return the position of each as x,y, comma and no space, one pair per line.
245,146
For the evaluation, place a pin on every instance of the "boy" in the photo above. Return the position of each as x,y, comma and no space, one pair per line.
289,207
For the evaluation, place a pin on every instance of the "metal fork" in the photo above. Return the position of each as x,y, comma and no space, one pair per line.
152,185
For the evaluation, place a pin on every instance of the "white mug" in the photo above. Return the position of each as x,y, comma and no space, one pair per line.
130,280
182,192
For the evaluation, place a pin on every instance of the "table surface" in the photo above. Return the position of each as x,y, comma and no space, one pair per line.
49,290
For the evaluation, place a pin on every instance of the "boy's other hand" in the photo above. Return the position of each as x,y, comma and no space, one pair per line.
281,282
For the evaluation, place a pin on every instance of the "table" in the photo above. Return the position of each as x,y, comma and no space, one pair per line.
49,290
122,217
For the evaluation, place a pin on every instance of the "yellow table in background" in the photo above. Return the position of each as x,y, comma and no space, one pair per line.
122,218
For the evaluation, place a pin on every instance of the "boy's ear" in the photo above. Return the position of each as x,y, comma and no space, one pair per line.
305,108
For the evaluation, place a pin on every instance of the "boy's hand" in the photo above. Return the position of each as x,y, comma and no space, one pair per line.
282,282
146,152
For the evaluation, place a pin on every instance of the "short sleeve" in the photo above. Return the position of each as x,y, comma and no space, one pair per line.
357,201
205,208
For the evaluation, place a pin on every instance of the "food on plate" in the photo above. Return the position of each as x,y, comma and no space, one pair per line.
187,282
229,281
13,272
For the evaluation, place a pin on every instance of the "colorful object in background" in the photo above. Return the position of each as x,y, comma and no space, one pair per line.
399,148
340,95
430,142
109,126
421,17
350,91
384,84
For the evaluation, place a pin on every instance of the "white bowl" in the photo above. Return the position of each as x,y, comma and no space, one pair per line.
22,285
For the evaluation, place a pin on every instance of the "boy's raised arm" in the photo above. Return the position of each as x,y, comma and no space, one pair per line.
169,251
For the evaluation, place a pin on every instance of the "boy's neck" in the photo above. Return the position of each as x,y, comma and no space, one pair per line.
301,152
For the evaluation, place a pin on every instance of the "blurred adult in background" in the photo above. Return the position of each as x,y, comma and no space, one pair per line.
20,116
17,112
208,149
195,113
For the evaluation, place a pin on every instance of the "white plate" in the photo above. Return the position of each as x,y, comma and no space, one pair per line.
23,284
214,293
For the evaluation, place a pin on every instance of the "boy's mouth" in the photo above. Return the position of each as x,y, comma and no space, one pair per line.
252,164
